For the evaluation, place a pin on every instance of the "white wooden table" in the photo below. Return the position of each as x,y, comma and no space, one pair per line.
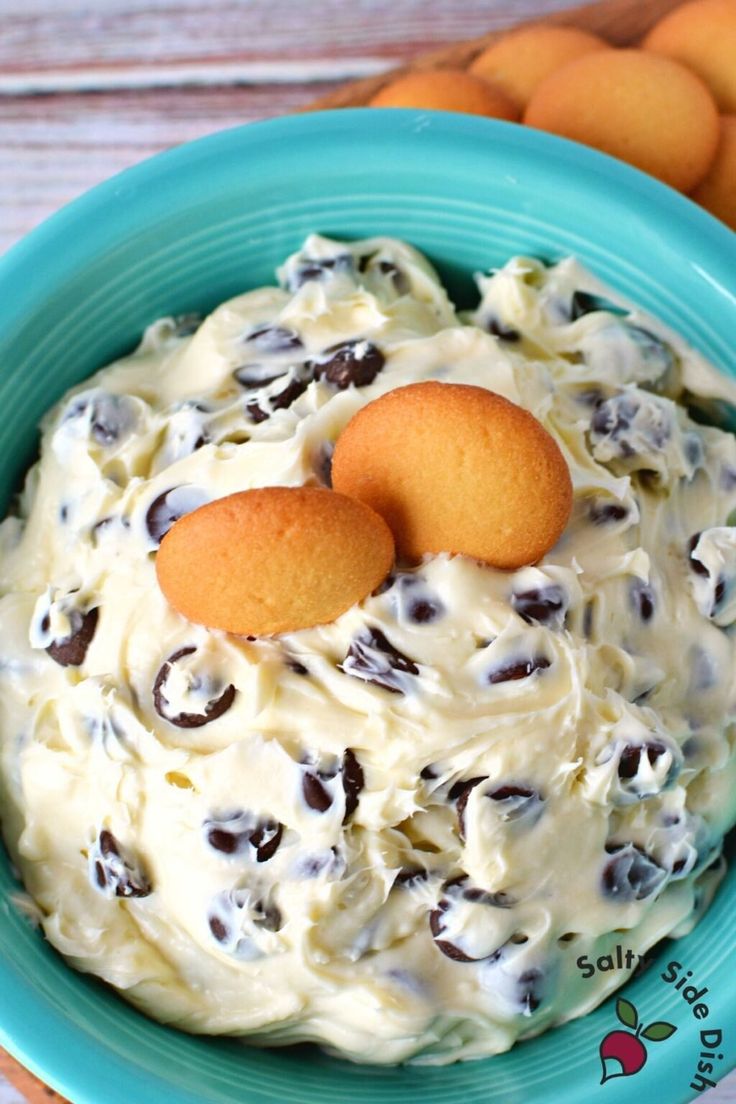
88,87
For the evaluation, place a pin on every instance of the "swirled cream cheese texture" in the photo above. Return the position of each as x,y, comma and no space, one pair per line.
394,834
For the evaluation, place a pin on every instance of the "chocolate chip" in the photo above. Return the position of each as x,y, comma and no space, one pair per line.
315,794
221,840
642,599
214,708
518,801
355,363
323,464
266,839
254,376
319,269
281,401
718,595
462,796
398,277
583,302
519,670
630,423
353,781
695,564
604,513
423,612
267,916
169,506
541,605
629,762
218,929
274,340
411,875
498,329
232,834
427,773
529,990
72,650
630,874
187,324
110,416
295,666
115,870
372,658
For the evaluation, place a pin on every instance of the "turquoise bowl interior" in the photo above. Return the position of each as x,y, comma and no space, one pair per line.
184,231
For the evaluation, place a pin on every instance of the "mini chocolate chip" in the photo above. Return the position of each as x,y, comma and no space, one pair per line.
323,464
115,870
266,839
111,416
411,875
319,269
603,513
315,794
372,658
353,782
280,401
462,800
498,329
540,605
630,759
427,773
642,598
718,595
169,506
437,927
355,363
270,917
274,339
518,801
398,277
583,302
530,990
72,650
213,709
295,666
520,670
221,840
254,376
187,324
630,874
220,931
423,612
695,564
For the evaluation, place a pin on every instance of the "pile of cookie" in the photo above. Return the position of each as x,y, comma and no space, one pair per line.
667,107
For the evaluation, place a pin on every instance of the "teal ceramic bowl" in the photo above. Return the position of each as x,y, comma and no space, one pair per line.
184,231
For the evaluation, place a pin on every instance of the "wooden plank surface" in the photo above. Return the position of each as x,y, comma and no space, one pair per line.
88,87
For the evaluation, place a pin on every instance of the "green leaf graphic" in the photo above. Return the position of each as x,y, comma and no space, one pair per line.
626,1013
658,1030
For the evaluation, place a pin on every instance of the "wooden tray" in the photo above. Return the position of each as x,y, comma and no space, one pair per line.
622,23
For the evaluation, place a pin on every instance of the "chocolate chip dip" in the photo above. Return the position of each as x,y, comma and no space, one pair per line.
393,834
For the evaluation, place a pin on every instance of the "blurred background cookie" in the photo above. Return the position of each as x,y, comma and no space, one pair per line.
717,192
702,35
518,62
638,106
447,90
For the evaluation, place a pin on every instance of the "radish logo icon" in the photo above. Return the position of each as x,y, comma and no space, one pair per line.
623,1052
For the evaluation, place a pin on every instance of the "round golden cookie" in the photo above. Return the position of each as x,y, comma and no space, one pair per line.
717,192
456,468
447,90
273,560
643,108
702,35
519,61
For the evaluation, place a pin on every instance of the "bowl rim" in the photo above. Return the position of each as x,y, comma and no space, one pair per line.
710,246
